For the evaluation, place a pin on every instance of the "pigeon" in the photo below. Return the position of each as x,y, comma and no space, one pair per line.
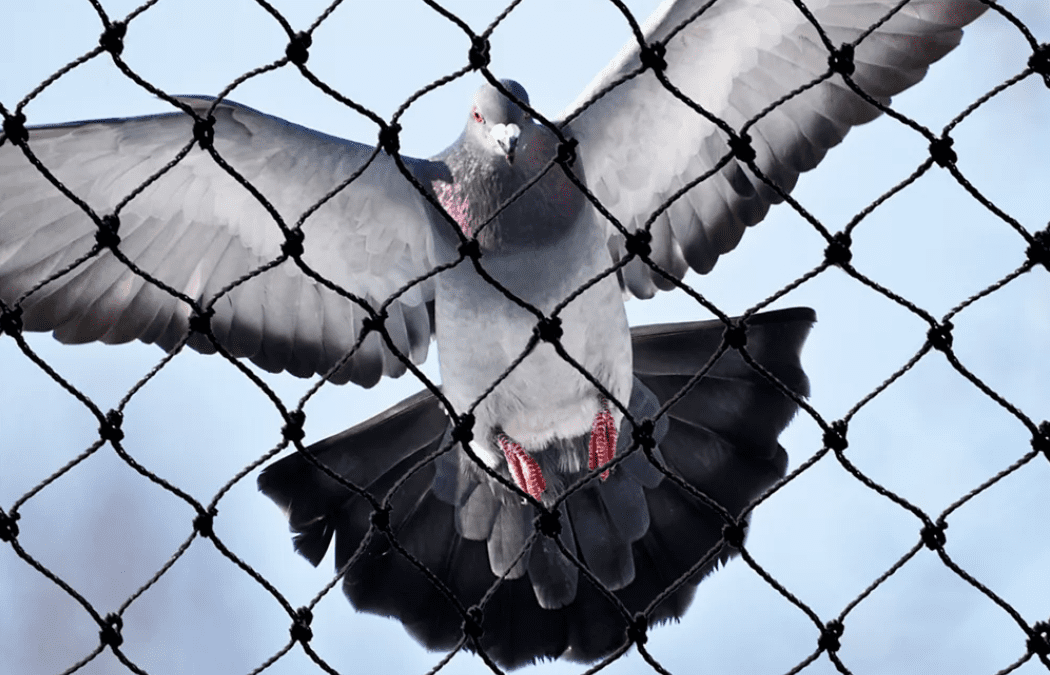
571,480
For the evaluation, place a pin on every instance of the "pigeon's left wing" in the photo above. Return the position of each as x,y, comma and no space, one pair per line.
641,145
366,230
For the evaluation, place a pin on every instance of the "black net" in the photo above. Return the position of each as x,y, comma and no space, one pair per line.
910,536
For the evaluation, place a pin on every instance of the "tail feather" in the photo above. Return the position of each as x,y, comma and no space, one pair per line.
560,578
707,470
315,501
667,551
605,552
427,614
477,511
732,395
507,555
637,532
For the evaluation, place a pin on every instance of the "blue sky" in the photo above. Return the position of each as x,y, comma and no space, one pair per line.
931,437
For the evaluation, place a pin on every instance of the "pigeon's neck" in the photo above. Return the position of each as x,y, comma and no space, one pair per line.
474,193
482,183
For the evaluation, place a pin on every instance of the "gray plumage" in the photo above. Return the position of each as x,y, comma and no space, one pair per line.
367,229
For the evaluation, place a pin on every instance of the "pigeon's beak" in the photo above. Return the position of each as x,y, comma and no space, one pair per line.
506,137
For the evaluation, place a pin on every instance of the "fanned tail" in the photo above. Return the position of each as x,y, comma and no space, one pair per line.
637,532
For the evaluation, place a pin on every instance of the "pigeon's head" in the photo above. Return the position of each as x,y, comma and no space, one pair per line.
495,121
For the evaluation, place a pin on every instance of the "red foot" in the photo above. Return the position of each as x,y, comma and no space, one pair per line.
602,447
523,467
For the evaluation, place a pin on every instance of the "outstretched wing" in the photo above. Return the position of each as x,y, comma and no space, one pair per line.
198,231
638,533
640,145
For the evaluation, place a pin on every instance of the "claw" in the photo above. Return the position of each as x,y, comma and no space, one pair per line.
602,446
523,467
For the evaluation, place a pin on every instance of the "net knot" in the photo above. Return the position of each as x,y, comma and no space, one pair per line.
734,533
549,329
1039,61
940,336
293,431
841,60
204,132
298,49
293,243
643,434
107,235
390,139
463,432
567,152
941,151
638,629
838,250
829,636
8,526
110,631
653,57
1039,641
204,522
933,535
200,322
373,322
15,128
472,623
112,38
740,146
735,335
11,320
300,629
549,523
835,436
1041,440
1039,250
109,429
480,53
638,243
381,518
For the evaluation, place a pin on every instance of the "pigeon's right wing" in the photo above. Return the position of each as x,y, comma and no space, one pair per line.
642,146
197,231
638,532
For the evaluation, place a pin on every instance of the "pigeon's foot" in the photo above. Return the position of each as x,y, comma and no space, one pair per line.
602,446
523,467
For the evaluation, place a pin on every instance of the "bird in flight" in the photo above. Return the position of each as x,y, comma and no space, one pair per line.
572,479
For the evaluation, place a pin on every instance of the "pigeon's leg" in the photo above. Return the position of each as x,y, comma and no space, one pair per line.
523,467
602,446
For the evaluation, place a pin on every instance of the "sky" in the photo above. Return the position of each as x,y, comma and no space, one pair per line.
931,437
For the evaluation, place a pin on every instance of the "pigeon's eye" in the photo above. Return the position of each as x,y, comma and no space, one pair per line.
477,117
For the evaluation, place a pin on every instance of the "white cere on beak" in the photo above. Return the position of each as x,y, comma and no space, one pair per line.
506,136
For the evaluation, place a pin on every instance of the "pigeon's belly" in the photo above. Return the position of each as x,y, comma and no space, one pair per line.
481,333
544,397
